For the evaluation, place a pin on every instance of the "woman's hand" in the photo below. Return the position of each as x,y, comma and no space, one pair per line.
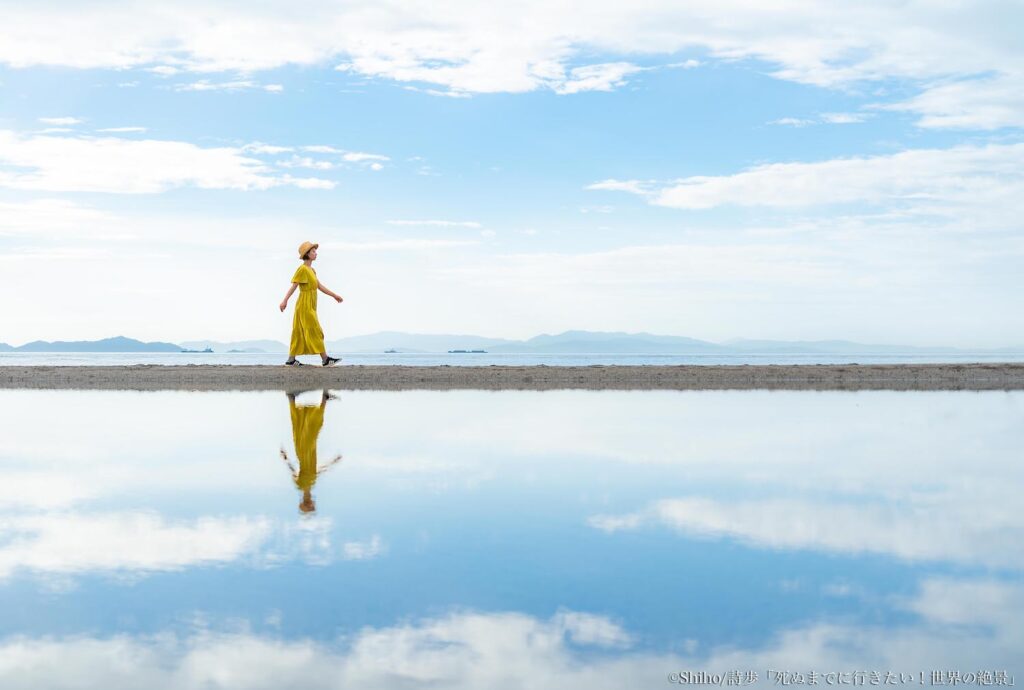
338,299
288,295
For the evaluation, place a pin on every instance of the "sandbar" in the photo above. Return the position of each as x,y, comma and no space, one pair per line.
989,376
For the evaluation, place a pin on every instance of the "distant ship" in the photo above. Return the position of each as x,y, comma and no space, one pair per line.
466,352
390,352
206,351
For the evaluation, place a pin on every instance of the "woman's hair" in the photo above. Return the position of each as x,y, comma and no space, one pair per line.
306,255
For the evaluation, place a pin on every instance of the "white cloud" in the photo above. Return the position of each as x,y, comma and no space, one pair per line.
305,162
973,175
615,523
51,217
602,77
367,160
977,103
307,182
588,629
238,85
60,120
850,527
669,267
463,650
843,118
472,650
363,550
952,601
117,130
164,70
398,245
63,543
632,186
792,122
438,92
130,166
464,47
359,157
439,223
259,147
40,490
823,118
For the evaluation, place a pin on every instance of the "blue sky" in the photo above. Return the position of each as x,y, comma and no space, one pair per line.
802,171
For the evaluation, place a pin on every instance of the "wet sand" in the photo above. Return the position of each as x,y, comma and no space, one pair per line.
784,377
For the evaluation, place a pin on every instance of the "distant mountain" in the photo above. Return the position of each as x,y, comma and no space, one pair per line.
236,346
569,342
118,344
618,342
614,342
413,342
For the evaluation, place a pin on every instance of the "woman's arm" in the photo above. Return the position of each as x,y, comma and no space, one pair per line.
288,296
284,456
327,291
332,463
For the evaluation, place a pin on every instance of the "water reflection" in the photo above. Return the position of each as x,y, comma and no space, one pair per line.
307,421
524,539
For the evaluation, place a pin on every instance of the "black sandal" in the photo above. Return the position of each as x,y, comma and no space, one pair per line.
331,361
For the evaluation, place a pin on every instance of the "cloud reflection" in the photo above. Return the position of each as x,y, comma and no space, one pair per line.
508,649
944,528
71,543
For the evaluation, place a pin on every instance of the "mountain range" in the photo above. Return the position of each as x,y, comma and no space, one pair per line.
117,344
569,342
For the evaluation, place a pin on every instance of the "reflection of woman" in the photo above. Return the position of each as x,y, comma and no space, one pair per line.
307,336
307,421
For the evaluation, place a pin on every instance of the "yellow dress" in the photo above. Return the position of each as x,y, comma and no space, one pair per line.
307,336
306,424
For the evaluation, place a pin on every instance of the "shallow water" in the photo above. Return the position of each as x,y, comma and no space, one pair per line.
473,539
486,359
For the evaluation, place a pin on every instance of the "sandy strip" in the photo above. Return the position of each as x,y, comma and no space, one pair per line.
791,377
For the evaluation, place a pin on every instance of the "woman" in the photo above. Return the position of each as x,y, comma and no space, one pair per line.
307,336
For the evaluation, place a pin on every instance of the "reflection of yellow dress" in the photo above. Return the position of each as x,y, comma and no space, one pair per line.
306,424
307,336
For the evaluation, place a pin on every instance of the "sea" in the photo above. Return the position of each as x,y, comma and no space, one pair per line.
488,359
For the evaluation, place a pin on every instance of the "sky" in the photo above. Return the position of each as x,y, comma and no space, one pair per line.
729,169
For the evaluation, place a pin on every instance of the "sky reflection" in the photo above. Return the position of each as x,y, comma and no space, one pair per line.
545,539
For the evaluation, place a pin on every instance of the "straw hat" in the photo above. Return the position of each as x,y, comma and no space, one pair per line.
305,247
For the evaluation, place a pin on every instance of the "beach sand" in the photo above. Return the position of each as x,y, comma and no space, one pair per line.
783,377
